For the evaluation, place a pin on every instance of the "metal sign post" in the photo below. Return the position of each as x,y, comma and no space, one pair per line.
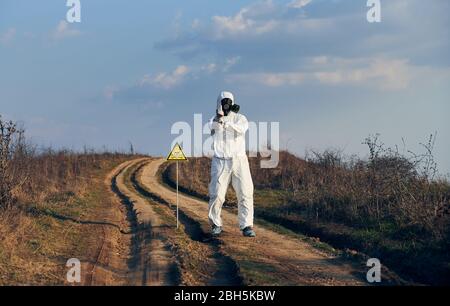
177,194
176,155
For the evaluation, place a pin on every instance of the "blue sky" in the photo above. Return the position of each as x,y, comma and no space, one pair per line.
131,69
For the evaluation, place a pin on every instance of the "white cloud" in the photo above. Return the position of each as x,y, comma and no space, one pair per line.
245,22
181,70
166,80
299,3
387,74
384,74
268,79
8,36
63,30
182,73
264,18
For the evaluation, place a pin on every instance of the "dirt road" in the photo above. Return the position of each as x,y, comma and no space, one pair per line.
132,241
269,259
151,262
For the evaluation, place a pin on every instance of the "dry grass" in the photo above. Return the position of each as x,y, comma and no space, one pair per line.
36,185
35,243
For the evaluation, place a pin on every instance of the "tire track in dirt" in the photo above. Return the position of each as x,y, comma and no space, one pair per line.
219,268
99,254
270,258
151,262
108,264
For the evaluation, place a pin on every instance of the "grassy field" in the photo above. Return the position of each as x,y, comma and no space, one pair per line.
41,232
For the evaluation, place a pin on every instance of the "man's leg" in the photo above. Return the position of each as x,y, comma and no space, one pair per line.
220,178
243,185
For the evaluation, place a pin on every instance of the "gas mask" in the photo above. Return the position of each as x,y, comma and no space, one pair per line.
228,106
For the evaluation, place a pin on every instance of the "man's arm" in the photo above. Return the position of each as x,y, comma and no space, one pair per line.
215,124
240,127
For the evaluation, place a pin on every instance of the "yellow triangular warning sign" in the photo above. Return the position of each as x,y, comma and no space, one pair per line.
176,153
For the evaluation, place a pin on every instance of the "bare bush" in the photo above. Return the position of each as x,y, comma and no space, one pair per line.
11,148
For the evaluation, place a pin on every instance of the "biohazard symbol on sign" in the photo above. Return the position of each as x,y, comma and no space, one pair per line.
176,153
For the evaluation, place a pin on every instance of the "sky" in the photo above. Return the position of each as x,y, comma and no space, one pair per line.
131,69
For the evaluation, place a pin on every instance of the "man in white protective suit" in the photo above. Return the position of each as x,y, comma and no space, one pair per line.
230,163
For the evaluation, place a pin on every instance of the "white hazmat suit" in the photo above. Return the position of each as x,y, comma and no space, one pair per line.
230,163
